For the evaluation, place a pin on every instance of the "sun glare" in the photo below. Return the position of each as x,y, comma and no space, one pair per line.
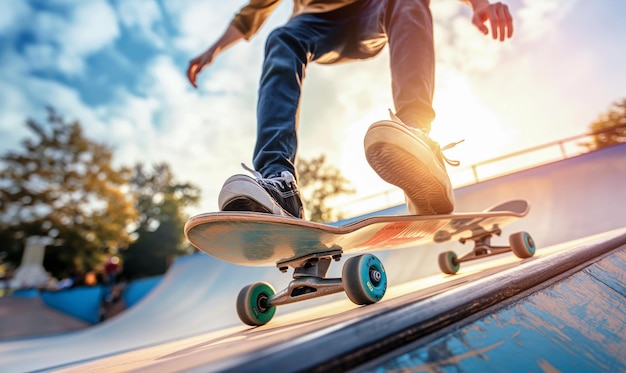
462,115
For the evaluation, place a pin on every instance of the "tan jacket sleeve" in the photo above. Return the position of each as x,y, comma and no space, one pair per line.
252,16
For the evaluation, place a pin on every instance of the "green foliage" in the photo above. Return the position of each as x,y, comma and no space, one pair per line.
160,202
610,128
318,182
63,186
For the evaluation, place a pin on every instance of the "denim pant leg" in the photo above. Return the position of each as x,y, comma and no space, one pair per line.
409,28
288,51
358,31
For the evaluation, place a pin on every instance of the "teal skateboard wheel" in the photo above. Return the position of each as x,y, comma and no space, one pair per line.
364,279
522,245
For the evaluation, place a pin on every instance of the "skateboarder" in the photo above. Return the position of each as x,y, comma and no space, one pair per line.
331,31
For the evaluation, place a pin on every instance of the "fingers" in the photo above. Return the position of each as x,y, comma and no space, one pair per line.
499,18
509,23
481,27
197,65
192,72
501,21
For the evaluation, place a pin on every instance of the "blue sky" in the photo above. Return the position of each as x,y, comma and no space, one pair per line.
118,67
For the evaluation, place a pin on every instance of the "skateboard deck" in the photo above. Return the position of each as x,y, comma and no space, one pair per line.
253,239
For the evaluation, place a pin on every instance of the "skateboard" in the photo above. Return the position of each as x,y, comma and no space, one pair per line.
254,239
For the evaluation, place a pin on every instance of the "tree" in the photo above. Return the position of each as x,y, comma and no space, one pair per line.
160,201
318,182
63,186
610,128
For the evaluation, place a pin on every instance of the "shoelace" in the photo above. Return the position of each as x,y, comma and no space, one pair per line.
278,182
453,163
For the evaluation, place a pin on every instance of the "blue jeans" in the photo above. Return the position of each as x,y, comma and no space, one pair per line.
357,31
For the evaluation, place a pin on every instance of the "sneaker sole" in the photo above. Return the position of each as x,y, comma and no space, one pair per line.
242,193
393,152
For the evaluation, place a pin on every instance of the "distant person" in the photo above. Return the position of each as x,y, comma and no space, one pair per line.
111,270
333,31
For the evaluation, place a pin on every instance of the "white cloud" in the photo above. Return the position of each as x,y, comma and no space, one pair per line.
143,16
199,23
459,45
12,108
204,136
65,40
93,26
538,18
445,9
27,97
41,93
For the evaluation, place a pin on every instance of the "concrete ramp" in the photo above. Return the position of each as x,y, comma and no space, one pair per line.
570,199
534,315
197,295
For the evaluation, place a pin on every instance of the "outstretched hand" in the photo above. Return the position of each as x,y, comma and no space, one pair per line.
499,17
197,64
231,36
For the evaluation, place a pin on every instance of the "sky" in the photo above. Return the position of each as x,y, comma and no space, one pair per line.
118,67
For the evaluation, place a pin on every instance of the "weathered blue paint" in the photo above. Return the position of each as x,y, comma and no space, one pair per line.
612,272
576,325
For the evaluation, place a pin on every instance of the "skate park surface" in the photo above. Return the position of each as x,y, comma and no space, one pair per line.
188,322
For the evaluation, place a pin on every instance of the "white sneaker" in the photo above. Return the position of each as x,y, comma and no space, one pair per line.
407,158
277,195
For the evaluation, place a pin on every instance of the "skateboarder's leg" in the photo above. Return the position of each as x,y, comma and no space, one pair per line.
406,25
409,28
283,70
289,49
400,150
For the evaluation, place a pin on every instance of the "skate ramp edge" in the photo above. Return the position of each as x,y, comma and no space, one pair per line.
563,312
575,324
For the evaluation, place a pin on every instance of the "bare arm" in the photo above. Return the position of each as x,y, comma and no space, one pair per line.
498,15
230,37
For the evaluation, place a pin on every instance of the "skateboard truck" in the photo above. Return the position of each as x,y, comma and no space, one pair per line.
309,278
363,279
482,244
310,264
520,243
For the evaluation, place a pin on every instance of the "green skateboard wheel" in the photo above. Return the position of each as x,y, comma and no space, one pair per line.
252,306
448,263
